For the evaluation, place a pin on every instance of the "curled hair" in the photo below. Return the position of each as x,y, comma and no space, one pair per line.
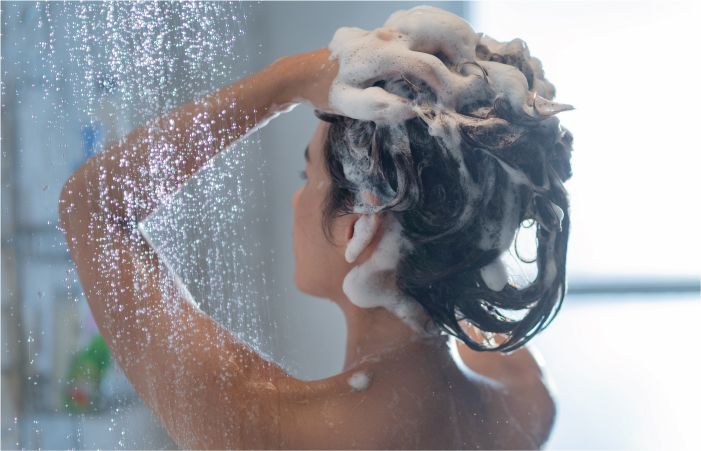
460,207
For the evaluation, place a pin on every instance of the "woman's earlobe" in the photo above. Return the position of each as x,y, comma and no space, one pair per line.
364,230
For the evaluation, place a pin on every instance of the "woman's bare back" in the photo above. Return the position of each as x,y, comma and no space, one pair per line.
419,400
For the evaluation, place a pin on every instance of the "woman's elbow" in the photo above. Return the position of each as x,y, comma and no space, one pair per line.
73,205
67,202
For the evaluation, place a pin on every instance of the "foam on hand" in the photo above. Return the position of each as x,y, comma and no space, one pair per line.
428,63
442,50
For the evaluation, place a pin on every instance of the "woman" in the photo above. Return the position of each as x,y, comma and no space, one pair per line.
410,198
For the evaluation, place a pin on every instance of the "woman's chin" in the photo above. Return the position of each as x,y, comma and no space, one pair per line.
310,287
300,282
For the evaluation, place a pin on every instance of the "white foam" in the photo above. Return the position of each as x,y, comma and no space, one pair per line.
364,230
360,380
372,283
409,45
441,50
382,77
559,213
495,275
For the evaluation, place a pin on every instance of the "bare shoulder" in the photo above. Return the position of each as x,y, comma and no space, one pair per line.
517,402
370,406
337,412
416,402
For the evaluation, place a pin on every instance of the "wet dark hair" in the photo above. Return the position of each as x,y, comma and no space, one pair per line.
516,167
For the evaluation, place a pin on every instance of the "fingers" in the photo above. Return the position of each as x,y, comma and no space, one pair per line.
370,104
383,54
383,57
448,34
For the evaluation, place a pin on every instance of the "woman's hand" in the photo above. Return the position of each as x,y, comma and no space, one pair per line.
309,77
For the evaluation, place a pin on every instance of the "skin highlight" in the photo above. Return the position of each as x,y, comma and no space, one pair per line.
211,390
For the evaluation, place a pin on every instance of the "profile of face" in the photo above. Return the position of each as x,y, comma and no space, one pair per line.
320,264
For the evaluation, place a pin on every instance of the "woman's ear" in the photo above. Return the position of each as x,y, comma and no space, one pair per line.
363,231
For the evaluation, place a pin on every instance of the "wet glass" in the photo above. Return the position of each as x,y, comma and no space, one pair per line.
78,76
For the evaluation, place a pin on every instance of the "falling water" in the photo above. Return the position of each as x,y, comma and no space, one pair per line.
84,74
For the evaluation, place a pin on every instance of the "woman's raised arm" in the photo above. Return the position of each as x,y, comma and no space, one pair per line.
209,389
154,160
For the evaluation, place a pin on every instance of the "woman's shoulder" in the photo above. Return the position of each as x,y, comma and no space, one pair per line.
390,403
341,411
517,404
420,402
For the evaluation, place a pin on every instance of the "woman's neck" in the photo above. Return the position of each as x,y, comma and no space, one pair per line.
376,331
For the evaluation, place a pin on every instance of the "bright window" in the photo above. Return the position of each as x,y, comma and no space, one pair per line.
628,68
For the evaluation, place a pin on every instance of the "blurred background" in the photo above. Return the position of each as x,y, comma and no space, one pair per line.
77,76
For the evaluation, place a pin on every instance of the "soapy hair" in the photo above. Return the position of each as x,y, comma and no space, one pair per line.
454,135
460,203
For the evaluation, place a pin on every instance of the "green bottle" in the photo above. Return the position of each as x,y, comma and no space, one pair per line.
85,374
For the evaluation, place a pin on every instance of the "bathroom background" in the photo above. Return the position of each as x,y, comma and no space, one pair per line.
76,76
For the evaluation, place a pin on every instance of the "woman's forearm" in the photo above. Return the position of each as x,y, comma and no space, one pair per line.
130,179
